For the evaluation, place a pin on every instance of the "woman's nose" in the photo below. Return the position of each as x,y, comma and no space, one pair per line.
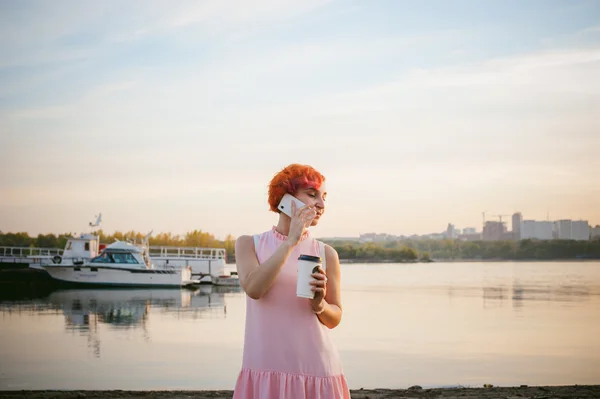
320,203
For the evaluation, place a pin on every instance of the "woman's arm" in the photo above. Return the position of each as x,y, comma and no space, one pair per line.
330,304
255,278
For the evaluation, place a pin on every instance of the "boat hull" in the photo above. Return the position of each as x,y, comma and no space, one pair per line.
226,281
99,276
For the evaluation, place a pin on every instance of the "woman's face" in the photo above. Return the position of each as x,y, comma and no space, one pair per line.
315,198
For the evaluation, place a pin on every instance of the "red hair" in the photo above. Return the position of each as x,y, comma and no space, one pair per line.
290,179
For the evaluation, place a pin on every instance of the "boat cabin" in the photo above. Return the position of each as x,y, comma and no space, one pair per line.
123,254
79,249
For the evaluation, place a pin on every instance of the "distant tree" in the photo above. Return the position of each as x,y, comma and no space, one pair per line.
425,257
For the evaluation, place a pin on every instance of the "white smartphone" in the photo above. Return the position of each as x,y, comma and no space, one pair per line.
285,205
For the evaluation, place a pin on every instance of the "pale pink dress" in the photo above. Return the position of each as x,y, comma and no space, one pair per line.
287,351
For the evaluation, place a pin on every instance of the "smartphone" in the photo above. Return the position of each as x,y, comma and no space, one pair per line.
285,205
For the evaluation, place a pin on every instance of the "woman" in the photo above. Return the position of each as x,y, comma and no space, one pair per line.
287,349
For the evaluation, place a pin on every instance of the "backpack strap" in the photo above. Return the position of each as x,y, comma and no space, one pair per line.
323,257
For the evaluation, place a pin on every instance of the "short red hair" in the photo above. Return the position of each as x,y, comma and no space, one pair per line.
290,179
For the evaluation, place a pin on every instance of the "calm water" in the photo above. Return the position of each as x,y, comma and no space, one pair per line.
427,324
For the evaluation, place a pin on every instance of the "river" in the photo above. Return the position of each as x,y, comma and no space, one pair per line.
435,325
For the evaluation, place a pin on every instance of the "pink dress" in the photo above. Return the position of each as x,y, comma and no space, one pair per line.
287,351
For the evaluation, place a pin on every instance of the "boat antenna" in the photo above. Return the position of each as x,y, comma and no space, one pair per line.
98,220
147,238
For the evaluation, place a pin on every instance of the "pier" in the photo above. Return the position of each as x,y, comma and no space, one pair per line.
27,255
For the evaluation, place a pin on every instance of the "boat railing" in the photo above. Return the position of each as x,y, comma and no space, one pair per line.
186,252
25,252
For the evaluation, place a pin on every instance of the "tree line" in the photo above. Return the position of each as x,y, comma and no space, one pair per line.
196,238
391,251
411,250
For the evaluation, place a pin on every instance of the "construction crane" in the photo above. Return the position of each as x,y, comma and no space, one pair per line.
500,217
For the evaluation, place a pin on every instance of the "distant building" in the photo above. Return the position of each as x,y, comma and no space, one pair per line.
564,229
595,232
375,237
517,219
470,237
532,229
494,231
469,230
544,230
450,233
435,236
339,239
580,230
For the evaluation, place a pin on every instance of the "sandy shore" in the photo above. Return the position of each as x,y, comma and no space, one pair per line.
538,392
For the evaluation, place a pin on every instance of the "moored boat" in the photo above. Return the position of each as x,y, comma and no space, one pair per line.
80,257
231,280
119,264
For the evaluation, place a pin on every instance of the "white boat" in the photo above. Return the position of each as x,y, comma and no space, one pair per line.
204,263
226,280
119,264
207,265
77,251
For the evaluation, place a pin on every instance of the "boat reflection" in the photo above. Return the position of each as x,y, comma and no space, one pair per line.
85,310
520,294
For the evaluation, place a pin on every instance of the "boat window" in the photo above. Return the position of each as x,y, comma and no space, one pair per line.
124,258
115,257
103,258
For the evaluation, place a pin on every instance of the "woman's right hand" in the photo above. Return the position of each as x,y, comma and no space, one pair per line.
301,219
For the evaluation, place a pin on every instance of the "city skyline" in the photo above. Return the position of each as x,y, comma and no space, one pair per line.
174,118
461,230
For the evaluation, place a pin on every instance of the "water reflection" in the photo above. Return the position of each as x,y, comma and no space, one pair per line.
86,310
562,293
519,294
494,297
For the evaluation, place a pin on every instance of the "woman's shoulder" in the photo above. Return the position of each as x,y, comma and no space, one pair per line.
251,237
330,251
244,238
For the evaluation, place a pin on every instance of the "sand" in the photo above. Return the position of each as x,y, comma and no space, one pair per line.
537,392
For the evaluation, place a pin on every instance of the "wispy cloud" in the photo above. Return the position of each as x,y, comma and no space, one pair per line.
507,79
232,13
29,37
593,29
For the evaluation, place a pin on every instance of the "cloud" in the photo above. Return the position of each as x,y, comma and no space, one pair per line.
226,15
79,30
111,88
241,80
509,80
50,112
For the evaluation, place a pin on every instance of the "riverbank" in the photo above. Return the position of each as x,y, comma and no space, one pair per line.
467,260
524,392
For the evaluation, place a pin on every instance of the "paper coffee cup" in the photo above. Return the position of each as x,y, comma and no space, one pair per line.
307,265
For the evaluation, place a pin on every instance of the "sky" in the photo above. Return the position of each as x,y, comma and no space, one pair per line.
174,116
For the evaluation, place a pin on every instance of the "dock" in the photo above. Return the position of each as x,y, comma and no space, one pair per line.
22,265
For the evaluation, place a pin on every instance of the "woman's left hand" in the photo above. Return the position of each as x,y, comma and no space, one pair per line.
319,287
